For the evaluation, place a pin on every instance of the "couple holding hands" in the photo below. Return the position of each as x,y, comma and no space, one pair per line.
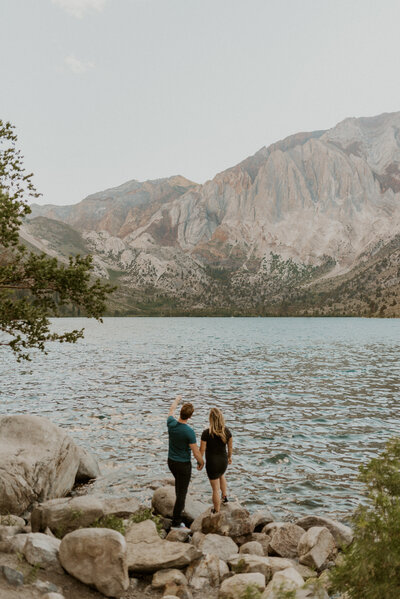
216,443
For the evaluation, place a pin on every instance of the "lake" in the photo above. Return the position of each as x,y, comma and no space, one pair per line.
307,400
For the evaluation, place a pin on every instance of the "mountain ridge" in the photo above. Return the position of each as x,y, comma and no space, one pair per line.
321,201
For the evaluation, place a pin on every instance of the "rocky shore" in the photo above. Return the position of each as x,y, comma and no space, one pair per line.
55,546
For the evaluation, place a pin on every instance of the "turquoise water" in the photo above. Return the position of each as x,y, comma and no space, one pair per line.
307,400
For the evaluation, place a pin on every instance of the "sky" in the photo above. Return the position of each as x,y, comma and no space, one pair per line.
104,91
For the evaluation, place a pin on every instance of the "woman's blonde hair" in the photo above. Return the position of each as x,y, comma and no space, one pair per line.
217,424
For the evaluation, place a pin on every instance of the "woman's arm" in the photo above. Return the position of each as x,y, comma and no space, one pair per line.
174,405
230,450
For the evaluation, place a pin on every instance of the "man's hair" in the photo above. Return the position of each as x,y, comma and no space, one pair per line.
186,411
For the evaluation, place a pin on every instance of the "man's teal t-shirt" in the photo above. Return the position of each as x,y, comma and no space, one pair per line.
180,437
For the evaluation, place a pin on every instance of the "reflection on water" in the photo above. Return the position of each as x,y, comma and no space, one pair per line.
307,400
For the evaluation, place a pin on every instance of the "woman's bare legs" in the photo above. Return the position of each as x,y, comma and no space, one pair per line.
215,493
223,485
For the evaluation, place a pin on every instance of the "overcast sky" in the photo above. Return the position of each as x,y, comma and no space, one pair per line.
103,91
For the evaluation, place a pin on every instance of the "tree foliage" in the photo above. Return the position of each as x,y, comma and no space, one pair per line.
371,565
33,287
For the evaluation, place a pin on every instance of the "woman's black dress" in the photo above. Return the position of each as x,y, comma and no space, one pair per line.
216,453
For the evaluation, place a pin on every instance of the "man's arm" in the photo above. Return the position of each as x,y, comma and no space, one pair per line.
174,405
197,455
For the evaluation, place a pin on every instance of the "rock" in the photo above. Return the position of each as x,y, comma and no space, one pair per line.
64,515
197,538
10,520
208,571
88,467
97,556
9,531
233,521
42,550
13,577
235,587
261,538
283,581
245,563
342,534
164,500
260,519
164,577
53,596
38,460
45,586
316,546
252,547
222,547
147,553
16,543
284,540
177,590
178,535
270,528
282,563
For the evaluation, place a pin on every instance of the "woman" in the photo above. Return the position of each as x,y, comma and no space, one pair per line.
214,442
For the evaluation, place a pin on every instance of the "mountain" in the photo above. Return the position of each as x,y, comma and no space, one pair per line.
277,233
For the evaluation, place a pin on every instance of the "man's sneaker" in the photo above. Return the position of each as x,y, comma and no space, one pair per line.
180,526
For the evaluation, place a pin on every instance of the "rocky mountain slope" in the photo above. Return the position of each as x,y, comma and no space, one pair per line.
277,233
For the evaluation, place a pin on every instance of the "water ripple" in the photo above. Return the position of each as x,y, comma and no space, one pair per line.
308,400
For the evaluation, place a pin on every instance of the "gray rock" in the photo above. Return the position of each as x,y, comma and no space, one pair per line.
245,563
260,518
10,520
207,572
88,468
233,520
316,546
164,577
253,548
9,531
235,587
64,515
98,557
342,534
180,536
164,500
222,547
284,540
16,543
13,577
284,580
45,586
42,550
53,596
147,553
38,460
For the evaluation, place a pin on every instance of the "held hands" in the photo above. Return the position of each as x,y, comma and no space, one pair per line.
229,460
200,465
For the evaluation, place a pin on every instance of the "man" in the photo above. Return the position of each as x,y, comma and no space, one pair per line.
182,440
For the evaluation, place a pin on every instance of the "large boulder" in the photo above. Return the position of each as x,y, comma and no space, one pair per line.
260,518
96,556
147,553
38,461
252,548
236,586
64,515
285,538
164,500
232,520
316,546
283,582
245,563
342,534
222,547
42,550
208,571
88,468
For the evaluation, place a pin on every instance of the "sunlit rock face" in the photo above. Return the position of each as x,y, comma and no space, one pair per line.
326,195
